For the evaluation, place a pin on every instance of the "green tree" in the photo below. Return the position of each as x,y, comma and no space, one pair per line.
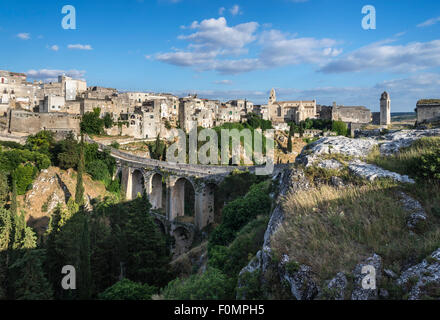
108,120
84,272
211,285
91,122
141,247
23,176
67,152
128,290
14,204
30,282
4,188
340,128
289,140
79,195
41,142
5,239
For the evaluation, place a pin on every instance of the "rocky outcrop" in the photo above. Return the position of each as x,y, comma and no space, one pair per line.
300,280
418,215
330,164
337,287
423,279
357,148
364,289
289,181
372,172
394,141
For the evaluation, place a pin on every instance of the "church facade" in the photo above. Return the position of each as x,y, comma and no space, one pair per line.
290,111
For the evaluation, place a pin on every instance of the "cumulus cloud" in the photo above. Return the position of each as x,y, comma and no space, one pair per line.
24,36
221,11
80,47
48,75
216,46
54,48
383,56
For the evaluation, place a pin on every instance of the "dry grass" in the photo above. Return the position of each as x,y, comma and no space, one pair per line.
407,160
334,229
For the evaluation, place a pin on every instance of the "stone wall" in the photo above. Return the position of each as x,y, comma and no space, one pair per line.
31,123
428,113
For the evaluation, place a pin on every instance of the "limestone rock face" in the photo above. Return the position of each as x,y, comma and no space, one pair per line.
330,164
372,172
357,148
401,139
420,279
289,180
302,285
389,143
418,215
359,292
337,286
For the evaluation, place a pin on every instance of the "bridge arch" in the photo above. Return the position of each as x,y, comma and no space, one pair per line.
156,194
182,199
137,183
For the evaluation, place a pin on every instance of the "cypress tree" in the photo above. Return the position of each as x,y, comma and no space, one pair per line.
14,204
289,140
85,277
79,195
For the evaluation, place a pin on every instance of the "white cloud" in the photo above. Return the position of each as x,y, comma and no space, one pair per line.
282,49
382,56
52,74
224,82
221,11
217,46
24,36
54,47
429,22
80,47
405,92
235,10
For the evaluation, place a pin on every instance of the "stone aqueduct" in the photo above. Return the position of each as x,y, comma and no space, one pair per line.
139,175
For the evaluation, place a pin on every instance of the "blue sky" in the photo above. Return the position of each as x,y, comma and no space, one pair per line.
306,49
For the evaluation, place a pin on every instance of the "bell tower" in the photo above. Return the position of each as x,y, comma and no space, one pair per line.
273,96
385,109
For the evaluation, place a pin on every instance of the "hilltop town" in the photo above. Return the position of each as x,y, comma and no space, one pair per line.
29,107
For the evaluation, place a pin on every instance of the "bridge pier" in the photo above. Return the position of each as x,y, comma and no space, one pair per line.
136,181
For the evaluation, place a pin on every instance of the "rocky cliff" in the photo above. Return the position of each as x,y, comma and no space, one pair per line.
380,260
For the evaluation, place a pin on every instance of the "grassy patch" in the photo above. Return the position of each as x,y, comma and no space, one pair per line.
408,160
333,229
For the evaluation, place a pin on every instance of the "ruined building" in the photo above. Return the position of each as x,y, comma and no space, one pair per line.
428,110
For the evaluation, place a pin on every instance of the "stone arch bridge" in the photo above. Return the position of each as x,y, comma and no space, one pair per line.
165,183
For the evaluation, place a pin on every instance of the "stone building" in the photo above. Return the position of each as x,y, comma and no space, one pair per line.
385,109
347,114
261,111
428,110
25,122
287,111
17,93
